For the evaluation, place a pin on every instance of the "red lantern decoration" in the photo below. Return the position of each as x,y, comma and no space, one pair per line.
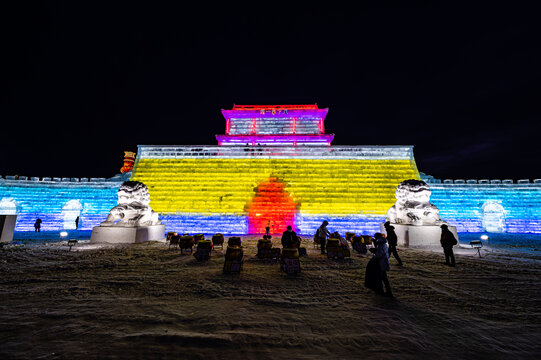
129,160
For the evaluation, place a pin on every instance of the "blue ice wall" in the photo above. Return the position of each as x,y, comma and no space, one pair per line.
472,206
57,202
235,225
359,224
491,206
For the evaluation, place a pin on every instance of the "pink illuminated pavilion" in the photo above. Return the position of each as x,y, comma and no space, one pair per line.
278,125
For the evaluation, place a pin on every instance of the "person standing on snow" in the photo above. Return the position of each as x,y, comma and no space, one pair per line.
322,234
392,241
382,254
447,242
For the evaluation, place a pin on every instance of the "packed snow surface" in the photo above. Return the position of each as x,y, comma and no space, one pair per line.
148,301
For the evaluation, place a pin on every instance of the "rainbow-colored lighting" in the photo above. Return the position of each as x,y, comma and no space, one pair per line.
274,166
212,188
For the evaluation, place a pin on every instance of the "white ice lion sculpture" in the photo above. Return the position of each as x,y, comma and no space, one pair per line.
413,205
132,209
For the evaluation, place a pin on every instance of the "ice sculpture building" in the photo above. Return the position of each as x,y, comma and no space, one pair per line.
274,166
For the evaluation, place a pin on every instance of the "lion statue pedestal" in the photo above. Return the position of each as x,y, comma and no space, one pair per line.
417,236
415,220
132,220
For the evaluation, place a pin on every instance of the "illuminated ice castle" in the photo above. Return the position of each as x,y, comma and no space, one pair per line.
275,166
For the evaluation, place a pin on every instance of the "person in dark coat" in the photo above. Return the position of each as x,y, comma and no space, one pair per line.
37,225
447,242
77,223
372,277
290,239
322,234
343,242
267,235
376,270
392,241
382,254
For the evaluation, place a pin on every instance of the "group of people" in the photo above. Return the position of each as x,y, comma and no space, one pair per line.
385,246
37,224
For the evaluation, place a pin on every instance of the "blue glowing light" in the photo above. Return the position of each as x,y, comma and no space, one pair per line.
489,207
58,203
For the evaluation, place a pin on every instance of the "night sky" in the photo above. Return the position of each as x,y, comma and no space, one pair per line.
81,83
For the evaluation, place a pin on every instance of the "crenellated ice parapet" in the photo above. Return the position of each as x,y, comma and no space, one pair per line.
367,152
413,205
58,202
132,209
491,205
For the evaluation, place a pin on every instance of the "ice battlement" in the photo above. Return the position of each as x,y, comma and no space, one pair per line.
475,182
62,181
368,152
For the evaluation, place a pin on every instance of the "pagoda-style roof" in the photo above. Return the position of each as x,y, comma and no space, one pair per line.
289,125
275,107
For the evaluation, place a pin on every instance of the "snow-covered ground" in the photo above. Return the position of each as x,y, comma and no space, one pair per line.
146,301
504,241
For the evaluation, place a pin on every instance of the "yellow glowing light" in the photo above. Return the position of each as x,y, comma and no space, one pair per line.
226,186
